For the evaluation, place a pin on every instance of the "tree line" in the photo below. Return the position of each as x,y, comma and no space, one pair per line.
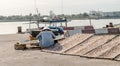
34,17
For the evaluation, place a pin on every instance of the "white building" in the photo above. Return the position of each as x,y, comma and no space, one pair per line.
96,14
104,14
112,14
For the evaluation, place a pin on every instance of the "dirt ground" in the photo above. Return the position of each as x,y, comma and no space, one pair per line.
11,57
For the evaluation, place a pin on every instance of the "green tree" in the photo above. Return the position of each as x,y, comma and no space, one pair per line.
85,15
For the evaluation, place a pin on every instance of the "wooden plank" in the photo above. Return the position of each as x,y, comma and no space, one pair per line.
113,30
88,31
68,28
19,46
103,48
112,53
117,58
101,31
95,44
68,43
73,50
69,39
89,27
75,42
58,47
28,42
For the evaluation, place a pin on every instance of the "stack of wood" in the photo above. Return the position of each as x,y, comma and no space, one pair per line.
18,46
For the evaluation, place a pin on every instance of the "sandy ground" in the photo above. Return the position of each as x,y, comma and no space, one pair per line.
11,57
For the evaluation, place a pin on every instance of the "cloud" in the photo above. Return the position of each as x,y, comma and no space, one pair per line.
69,6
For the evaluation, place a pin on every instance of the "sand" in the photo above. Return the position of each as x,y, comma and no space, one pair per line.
11,57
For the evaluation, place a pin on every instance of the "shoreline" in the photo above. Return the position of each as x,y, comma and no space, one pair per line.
68,19
14,21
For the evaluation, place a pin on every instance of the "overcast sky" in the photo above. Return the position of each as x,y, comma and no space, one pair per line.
17,7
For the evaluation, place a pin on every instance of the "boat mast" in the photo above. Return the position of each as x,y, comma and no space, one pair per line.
62,7
37,12
61,10
62,13
30,21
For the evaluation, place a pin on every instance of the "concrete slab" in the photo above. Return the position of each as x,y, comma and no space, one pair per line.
101,31
11,57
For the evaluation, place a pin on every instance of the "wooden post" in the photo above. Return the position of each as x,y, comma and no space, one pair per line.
61,24
66,24
50,24
90,21
19,29
30,17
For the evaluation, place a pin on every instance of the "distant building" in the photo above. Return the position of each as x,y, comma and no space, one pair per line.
52,14
98,14
112,14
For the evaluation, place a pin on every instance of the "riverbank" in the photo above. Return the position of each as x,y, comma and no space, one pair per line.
14,20
67,18
11,57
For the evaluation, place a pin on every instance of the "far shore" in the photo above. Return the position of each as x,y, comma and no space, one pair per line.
14,20
68,19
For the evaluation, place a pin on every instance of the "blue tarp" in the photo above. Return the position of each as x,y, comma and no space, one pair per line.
55,21
60,30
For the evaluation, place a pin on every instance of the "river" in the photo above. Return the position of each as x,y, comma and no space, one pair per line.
11,27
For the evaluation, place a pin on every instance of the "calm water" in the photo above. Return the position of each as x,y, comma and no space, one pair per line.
11,27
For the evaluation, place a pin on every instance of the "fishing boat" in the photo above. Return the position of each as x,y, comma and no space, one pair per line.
52,20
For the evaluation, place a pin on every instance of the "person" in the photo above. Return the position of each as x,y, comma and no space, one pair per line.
111,24
107,26
46,38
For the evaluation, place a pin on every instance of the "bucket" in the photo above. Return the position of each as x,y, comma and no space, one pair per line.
19,29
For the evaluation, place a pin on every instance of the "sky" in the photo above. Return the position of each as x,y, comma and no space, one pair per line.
24,7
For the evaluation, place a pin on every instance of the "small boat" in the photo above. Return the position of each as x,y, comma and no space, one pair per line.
53,20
